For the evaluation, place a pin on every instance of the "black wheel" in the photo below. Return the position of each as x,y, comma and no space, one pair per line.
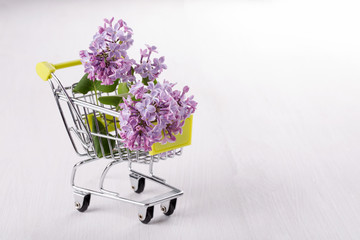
141,185
85,203
172,207
149,215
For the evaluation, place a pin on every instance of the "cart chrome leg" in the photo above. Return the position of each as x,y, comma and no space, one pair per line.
103,175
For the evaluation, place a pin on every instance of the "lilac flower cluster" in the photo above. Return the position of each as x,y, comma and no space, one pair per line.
150,69
153,113
107,59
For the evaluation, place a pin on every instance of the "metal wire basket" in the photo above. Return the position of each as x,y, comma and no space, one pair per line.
92,129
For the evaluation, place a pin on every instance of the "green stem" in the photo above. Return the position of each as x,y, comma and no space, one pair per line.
117,108
97,101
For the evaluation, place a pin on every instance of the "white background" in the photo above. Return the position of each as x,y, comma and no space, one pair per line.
275,150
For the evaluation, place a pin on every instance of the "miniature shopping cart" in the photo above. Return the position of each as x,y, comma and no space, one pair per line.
92,131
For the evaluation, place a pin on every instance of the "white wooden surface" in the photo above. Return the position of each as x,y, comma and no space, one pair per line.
275,150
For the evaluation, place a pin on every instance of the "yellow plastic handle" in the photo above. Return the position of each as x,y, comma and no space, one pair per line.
44,69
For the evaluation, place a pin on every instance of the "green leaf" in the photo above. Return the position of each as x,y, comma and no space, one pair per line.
145,81
123,88
84,85
132,71
104,141
106,88
135,99
113,100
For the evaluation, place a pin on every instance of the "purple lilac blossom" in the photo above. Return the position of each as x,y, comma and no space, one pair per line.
148,68
153,113
107,59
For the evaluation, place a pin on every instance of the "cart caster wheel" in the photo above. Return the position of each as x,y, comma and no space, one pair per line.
141,185
169,208
82,202
137,183
147,215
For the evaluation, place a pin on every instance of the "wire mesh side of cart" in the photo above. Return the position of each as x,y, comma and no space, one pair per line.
87,122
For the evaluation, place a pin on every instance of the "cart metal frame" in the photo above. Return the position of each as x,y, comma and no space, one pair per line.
81,107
